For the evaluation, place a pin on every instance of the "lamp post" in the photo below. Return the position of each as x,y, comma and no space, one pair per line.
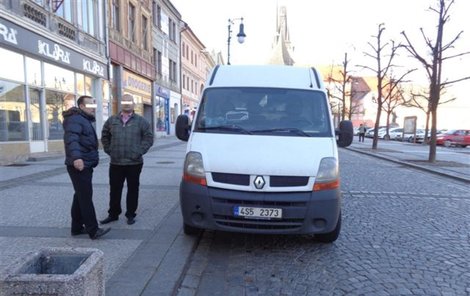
241,35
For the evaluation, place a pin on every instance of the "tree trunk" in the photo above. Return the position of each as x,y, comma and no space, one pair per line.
432,145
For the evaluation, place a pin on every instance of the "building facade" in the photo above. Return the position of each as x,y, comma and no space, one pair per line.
166,42
130,53
196,64
51,52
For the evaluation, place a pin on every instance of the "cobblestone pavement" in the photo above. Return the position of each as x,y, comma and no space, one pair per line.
405,232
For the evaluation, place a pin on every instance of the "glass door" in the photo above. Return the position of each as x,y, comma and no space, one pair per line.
37,139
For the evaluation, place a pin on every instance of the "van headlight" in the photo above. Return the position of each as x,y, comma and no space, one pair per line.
328,175
194,169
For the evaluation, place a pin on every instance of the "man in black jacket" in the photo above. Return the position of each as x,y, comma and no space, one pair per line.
126,137
81,156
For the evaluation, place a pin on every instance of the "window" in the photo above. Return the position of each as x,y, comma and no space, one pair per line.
172,30
131,29
172,69
115,15
158,18
184,81
87,16
144,32
159,62
64,10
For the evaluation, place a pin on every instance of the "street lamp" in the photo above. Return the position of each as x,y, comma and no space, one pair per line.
241,35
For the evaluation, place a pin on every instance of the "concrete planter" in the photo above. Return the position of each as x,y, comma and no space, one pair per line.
55,271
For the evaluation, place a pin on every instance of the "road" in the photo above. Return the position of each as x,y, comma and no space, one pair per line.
405,232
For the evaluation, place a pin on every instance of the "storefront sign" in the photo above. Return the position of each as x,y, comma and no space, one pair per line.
8,33
93,67
136,84
57,53
23,40
161,91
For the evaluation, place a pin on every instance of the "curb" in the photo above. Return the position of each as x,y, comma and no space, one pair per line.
422,168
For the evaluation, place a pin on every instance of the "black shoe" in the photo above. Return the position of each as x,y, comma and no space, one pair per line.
81,231
109,219
130,221
100,232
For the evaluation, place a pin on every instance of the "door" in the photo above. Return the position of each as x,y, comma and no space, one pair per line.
37,138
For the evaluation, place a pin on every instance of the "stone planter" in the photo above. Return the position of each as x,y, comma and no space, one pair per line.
55,271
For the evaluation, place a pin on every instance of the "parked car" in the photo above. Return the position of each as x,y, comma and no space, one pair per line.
370,132
393,133
454,138
411,137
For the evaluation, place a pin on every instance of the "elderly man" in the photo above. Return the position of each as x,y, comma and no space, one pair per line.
126,137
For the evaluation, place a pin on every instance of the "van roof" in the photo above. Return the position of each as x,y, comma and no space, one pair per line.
265,76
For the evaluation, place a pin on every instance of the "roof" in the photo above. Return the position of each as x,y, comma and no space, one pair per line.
278,76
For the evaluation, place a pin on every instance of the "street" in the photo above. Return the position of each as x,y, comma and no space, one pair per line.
405,232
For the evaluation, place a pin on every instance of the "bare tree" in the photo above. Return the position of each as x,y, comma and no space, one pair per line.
341,93
433,67
421,101
381,71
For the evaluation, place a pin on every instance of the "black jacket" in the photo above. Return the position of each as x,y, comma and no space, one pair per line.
80,139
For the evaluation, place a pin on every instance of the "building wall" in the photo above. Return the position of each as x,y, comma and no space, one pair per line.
166,25
58,53
194,67
130,51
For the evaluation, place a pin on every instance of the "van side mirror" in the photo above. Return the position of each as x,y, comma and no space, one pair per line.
345,133
182,127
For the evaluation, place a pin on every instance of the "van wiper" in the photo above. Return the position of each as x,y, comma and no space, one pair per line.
231,127
292,130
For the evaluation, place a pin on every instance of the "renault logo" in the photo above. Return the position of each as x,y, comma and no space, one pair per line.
259,182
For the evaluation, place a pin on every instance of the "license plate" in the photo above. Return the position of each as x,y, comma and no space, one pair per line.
252,212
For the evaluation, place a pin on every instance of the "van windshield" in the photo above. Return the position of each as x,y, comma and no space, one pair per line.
264,111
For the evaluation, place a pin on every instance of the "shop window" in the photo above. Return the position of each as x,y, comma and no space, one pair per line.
58,78
10,60
56,103
80,87
13,124
33,74
160,114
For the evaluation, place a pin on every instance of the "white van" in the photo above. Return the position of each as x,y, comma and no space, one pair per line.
262,154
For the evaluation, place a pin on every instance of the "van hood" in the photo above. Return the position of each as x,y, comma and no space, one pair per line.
262,155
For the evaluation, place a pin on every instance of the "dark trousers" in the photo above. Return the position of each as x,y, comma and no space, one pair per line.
361,137
83,210
117,175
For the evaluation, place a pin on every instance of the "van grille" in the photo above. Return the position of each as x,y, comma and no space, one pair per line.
267,203
275,181
258,224
237,179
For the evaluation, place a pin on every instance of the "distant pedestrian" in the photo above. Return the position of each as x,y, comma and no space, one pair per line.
126,137
81,156
362,132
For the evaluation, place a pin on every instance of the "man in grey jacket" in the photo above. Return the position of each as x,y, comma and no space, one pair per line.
126,137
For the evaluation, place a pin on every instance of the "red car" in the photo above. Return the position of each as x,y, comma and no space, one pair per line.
454,137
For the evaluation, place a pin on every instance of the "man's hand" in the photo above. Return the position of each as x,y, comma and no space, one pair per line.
78,164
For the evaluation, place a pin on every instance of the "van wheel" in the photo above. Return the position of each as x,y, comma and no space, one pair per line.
387,137
190,230
447,143
330,237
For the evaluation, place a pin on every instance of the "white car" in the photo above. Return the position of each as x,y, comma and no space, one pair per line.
393,133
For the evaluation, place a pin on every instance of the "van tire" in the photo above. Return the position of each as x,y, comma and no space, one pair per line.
330,237
190,230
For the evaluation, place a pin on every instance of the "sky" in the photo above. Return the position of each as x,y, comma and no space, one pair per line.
322,31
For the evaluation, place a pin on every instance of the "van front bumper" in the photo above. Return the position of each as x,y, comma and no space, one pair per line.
302,212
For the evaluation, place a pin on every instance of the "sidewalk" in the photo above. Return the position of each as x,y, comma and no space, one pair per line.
149,257
146,258
450,162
